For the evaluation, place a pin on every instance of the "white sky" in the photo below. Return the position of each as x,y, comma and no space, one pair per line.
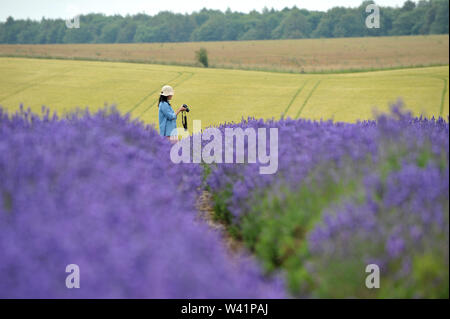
36,9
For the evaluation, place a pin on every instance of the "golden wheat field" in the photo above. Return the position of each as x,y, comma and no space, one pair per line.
218,95
303,55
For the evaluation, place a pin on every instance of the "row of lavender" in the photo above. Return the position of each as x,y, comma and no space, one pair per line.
99,191
346,196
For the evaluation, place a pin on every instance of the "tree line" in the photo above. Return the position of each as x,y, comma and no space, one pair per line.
423,17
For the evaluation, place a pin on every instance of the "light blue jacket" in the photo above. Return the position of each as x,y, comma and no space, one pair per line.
167,119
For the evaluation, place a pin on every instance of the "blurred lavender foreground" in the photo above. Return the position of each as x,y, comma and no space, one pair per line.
346,196
100,191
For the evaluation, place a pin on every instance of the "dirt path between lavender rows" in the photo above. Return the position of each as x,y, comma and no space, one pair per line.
205,210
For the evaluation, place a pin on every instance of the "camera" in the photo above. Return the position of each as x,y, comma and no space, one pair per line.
186,107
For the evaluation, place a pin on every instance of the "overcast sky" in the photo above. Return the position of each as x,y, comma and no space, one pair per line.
36,9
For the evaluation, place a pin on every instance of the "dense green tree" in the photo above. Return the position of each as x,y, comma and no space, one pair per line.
405,23
126,32
419,17
349,24
28,33
80,35
329,22
294,26
314,18
9,31
109,33
211,30
202,57
56,32
408,6
440,23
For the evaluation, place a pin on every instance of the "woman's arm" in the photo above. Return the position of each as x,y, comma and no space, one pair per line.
181,109
169,113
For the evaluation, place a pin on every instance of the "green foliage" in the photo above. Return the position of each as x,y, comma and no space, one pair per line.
202,57
428,275
276,226
221,201
427,17
294,26
126,33
206,171
109,34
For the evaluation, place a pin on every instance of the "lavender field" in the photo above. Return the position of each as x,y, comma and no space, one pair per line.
100,191
345,196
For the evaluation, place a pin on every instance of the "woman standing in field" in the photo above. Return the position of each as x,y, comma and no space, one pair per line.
167,117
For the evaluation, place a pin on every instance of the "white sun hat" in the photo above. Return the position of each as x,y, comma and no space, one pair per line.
167,90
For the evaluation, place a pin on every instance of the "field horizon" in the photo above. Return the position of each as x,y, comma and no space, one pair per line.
331,55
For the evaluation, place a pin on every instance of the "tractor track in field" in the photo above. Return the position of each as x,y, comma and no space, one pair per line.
293,98
205,211
307,99
35,82
151,93
443,94
191,74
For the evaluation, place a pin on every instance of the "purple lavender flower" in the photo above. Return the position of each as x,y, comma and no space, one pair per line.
99,191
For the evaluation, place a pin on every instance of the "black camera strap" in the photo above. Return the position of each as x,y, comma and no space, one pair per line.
184,120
